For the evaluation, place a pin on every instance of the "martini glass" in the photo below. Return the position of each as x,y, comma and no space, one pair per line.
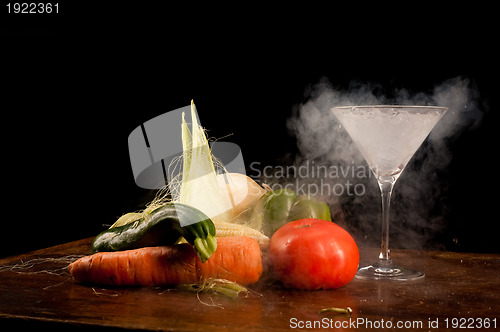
388,136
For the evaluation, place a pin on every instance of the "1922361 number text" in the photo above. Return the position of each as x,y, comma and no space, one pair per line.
32,8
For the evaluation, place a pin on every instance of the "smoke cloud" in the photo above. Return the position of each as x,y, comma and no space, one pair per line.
418,210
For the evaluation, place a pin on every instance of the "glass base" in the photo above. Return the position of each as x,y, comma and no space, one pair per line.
387,270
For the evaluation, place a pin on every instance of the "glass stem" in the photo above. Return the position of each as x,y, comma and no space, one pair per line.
386,184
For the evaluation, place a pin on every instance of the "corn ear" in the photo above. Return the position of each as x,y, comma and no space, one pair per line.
225,229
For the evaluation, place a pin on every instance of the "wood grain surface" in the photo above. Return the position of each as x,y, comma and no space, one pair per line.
37,291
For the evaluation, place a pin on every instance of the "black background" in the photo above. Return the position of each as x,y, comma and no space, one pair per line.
74,85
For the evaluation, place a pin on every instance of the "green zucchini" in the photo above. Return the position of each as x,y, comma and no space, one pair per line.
163,226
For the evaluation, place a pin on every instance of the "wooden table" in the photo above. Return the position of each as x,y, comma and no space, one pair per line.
458,290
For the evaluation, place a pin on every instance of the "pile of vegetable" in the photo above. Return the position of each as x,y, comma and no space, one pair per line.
213,225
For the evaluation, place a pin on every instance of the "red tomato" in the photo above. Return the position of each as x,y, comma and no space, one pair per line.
313,254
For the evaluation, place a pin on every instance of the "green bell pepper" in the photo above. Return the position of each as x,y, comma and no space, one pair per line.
277,207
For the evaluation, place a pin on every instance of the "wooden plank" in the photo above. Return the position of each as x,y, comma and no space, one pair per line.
36,288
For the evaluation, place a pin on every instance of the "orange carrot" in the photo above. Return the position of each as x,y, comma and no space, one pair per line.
237,259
